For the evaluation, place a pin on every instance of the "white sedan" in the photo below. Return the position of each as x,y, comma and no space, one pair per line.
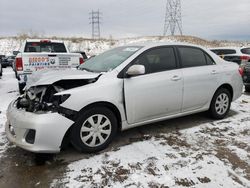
122,88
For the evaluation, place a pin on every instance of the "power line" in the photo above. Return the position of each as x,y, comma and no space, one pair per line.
95,22
173,17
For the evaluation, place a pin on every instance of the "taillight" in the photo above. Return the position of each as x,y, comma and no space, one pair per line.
81,60
244,58
19,64
45,41
241,71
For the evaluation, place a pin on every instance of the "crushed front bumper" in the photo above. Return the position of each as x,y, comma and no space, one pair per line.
49,129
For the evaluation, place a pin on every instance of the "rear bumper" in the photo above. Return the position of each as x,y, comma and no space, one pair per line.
50,129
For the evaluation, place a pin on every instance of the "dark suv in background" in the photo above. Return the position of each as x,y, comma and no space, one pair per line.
7,61
241,56
1,69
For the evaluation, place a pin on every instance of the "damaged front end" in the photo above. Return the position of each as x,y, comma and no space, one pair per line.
42,98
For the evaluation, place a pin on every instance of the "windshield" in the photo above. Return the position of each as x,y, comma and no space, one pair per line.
109,60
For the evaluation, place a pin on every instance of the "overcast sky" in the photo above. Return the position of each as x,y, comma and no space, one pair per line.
210,19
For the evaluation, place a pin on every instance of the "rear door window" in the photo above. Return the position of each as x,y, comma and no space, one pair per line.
245,51
37,47
192,57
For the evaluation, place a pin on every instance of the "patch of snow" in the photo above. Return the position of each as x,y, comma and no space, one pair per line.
8,91
213,154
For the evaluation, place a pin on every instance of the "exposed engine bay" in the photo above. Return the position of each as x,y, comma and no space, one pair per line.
43,99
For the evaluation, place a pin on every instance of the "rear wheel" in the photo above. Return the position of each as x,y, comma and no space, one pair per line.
220,104
247,88
94,130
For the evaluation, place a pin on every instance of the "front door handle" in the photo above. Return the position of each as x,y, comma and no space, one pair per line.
175,78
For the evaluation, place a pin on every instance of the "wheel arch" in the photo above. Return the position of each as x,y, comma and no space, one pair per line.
228,87
108,105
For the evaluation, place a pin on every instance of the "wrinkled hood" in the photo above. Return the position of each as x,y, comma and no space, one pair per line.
48,77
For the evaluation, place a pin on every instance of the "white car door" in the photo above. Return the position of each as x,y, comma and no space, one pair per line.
158,92
200,75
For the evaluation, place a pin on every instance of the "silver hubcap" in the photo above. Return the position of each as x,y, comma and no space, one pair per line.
95,130
222,103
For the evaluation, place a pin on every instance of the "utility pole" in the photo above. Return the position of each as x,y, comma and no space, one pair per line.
95,22
173,17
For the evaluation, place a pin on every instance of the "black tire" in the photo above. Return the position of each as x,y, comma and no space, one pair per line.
16,75
21,86
247,88
212,110
75,133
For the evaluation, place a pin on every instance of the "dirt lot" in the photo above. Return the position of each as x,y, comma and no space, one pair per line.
192,151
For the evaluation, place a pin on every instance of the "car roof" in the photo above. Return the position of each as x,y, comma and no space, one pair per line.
156,44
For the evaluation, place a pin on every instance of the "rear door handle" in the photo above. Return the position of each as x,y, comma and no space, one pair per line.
175,78
214,72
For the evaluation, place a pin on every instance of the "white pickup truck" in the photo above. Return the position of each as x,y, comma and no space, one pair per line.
36,55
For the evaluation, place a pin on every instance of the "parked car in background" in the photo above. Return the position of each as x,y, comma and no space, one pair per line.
36,55
240,56
1,69
11,60
14,63
85,57
7,61
233,54
2,56
122,88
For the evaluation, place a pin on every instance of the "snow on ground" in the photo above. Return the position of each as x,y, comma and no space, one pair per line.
94,47
213,154
8,45
8,91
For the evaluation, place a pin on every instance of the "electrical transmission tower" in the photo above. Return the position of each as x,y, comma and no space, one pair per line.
173,18
95,22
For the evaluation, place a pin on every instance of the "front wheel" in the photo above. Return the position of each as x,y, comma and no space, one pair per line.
220,104
94,130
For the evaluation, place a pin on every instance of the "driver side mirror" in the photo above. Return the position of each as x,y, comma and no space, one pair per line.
135,70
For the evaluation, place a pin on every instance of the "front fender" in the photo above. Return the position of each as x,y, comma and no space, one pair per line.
104,90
